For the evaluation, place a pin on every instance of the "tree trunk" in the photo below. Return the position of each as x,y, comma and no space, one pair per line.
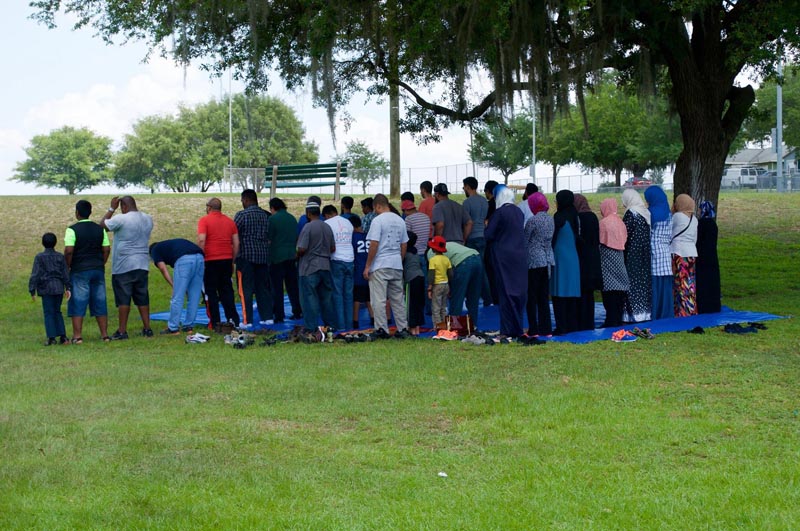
394,141
555,178
712,109
618,176
394,120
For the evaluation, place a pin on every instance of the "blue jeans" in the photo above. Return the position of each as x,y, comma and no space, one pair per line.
479,244
466,284
53,318
187,281
342,274
316,298
88,289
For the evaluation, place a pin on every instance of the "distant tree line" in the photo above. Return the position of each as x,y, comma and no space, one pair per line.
620,132
183,152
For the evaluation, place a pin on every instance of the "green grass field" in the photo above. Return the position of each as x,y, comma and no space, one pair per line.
681,432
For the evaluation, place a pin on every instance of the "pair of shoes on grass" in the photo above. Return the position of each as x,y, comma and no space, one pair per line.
736,328
644,333
197,338
119,336
623,336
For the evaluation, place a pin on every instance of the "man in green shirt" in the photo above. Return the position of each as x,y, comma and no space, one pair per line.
86,250
283,260
466,282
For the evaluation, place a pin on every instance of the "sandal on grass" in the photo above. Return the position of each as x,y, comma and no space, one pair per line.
77,341
106,339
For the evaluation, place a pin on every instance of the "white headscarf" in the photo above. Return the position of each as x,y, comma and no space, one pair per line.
631,200
503,195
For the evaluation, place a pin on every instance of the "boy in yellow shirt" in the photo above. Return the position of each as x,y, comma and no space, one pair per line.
440,272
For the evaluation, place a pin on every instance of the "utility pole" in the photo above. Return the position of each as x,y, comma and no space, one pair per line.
533,137
230,131
779,126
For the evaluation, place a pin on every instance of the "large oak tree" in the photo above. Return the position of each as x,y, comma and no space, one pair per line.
545,47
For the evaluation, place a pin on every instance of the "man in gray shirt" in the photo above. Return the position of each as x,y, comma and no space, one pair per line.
130,262
315,245
477,208
449,219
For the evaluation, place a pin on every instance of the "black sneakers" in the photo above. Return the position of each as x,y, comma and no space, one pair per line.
403,334
117,336
147,332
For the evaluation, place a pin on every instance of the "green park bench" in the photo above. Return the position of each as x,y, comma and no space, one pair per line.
307,175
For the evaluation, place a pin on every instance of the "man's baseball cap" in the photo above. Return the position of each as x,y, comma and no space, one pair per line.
313,202
407,205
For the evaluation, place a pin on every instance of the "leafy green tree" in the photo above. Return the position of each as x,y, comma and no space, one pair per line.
266,131
546,49
612,117
557,144
626,133
763,118
363,164
191,150
155,155
67,158
505,144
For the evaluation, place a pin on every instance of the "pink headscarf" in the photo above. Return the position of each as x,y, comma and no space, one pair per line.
613,233
537,202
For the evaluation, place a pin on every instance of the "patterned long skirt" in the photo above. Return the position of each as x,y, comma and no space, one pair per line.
684,290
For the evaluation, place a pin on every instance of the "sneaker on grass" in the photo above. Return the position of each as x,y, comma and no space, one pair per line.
118,336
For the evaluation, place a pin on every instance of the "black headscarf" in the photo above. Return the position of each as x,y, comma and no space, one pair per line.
565,213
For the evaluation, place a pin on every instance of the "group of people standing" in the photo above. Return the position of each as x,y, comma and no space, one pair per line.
652,263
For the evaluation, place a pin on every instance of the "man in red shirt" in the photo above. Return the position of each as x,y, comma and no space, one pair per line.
426,205
218,237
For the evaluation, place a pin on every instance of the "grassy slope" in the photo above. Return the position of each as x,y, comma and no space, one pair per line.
683,432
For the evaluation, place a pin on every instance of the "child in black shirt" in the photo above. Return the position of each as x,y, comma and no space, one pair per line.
50,279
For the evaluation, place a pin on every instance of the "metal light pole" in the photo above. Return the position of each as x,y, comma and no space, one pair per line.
779,127
472,150
533,137
230,124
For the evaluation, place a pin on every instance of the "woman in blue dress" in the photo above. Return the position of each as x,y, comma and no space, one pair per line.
565,282
509,256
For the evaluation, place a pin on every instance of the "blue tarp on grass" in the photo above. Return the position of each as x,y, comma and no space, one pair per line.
488,319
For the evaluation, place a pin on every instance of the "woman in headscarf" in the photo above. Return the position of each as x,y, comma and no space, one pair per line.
637,257
613,236
707,264
539,238
508,253
589,257
684,253
565,282
488,192
661,258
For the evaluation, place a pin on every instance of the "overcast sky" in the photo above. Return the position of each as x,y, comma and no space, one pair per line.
63,77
